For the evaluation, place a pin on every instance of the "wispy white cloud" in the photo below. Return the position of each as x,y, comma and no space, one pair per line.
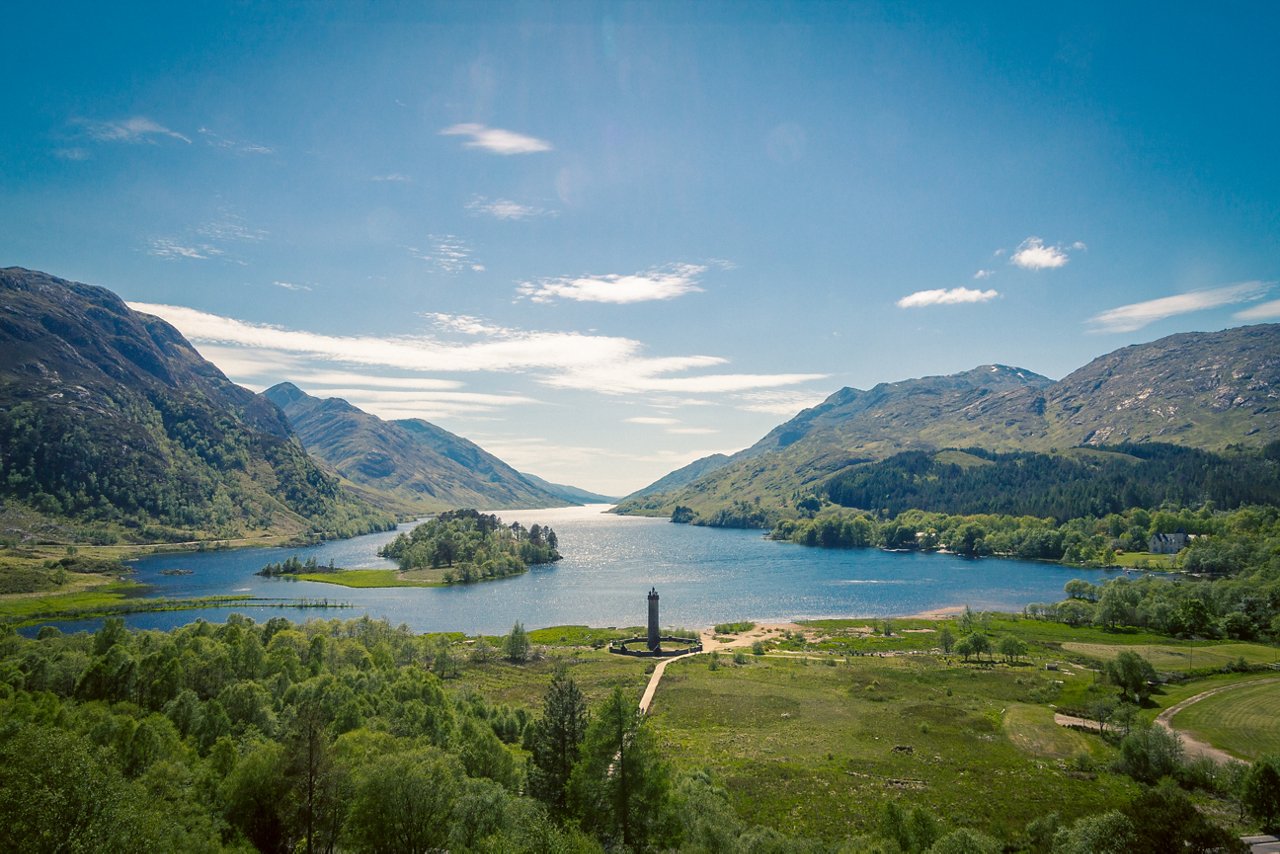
208,240
657,284
940,296
1264,311
984,274
222,142
134,129
1132,317
573,463
660,421
1033,254
505,209
229,227
780,402
570,360
172,250
366,381
292,286
466,324
496,140
392,178
74,153
447,253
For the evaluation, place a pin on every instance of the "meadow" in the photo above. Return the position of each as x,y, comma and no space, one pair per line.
1241,720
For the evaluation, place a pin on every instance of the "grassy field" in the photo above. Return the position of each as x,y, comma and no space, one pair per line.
1242,720
816,750
370,578
582,635
1032,730
1172,658
1144,560
109,599
597,673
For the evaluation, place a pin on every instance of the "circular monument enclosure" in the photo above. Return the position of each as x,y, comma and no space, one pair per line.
651,644
643,646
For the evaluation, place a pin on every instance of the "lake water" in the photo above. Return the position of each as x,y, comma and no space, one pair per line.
703,575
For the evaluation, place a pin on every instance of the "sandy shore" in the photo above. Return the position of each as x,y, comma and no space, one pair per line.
948,613
766,631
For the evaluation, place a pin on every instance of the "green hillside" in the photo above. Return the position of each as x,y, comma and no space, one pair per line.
112,427
1198,390
409,465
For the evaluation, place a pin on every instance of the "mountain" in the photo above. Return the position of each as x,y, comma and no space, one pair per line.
572,494
111,422
410,465
682,476
1202,390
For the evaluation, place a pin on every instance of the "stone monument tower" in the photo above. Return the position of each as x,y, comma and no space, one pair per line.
654,640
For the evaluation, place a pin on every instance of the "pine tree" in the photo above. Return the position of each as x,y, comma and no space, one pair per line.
515,646
556,742
620,782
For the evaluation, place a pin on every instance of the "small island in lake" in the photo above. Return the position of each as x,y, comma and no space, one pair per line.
456,547
467,545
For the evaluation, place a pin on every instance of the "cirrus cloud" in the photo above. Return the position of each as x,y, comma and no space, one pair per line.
569,360
657,284
1135,316
941,296
505,209
133,129
1265,311
496,140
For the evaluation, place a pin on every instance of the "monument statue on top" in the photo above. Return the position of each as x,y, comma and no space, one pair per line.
655,637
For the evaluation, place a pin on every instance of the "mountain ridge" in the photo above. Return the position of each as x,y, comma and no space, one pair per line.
110,418
411,465
1204,390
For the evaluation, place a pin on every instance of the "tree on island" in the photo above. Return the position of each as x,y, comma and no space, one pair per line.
473,546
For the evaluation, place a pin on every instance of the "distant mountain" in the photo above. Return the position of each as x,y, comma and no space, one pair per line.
1203,390
111,421
411,464
682,476
572,494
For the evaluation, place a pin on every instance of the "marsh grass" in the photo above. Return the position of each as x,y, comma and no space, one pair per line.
811,750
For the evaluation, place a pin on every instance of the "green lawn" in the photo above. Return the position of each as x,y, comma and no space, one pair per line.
1144,560
1242,720
581,635
1182,656
1031,728
810,749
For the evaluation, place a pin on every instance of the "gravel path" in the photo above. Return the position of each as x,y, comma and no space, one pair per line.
1193,746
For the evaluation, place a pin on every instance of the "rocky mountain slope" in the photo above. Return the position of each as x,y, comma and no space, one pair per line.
111,421
410,464
1204,390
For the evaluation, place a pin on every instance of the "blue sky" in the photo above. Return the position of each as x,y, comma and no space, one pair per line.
602,240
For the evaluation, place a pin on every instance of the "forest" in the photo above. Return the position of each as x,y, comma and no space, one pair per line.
1231,586
473,546
177,472
358,736
1083,482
